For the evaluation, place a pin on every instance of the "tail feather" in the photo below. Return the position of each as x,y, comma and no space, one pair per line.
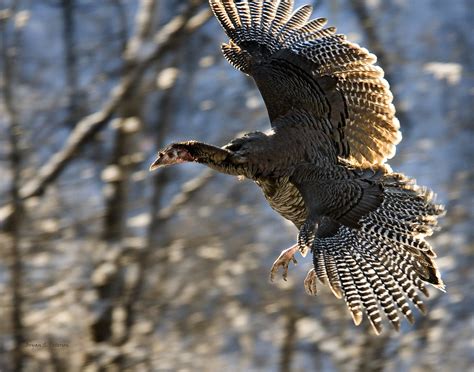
366,294
334,281
407,276
395,297
387,260
328,264
399,260
351,293
407,255
398,277
381,291
320,267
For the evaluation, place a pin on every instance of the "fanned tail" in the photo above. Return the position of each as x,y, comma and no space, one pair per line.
385,263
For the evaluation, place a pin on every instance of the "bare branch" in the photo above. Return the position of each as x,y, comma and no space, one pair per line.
89,126
143,22
187,192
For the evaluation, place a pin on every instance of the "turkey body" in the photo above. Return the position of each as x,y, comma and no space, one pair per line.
322,163
284,198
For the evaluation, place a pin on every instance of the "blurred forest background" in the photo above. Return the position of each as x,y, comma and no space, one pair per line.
106,266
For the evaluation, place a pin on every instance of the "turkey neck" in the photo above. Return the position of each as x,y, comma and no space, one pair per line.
214,157
280,193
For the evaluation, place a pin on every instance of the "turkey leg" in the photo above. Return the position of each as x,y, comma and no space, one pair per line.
307,234
284,260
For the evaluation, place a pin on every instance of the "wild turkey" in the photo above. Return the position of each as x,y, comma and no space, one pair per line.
321,165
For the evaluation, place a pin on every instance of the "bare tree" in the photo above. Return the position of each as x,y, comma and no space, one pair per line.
14,226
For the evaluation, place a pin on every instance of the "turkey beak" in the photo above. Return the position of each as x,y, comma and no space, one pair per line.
161,161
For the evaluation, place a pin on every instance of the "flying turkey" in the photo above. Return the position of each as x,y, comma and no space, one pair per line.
322,163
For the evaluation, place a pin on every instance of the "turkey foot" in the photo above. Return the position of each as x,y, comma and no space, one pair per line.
310,283
283,261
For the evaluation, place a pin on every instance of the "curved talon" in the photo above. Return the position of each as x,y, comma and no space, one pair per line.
284,260
310,283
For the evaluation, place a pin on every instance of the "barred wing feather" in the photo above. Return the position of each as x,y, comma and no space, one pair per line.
298,64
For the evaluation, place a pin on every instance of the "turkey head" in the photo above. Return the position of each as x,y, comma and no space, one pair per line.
175,153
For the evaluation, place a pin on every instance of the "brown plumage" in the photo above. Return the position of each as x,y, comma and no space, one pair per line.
321,165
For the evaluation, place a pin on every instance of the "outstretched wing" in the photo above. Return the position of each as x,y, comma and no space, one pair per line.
298,64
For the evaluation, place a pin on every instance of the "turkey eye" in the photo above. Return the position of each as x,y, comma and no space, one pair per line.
171,155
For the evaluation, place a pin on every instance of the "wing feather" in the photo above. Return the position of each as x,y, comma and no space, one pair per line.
299,64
